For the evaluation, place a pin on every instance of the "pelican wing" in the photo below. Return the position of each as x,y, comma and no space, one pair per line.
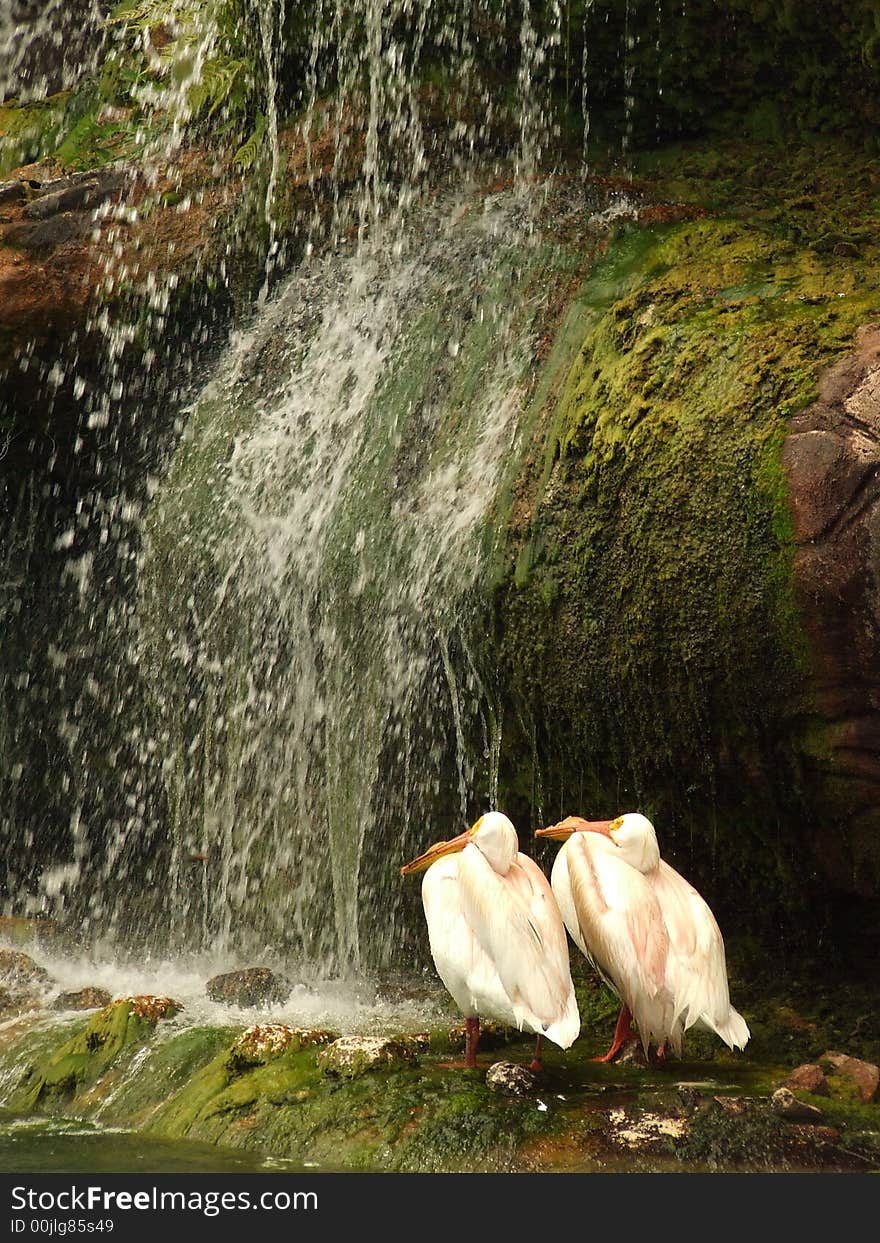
697,965
515,921
462,964
614,916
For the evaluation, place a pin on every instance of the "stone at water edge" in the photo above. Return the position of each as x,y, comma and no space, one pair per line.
23,983
249,986
18,970
786,1104
807,1078
865,1075
350,1056
511,1079
264,1041
89,998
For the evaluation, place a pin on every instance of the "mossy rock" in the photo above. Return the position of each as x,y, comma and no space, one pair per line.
122,1027
649,634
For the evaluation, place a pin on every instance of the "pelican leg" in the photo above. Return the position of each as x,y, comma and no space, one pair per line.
471,1040
622,1033
536,1064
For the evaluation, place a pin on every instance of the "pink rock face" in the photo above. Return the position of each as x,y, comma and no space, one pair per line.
832,461
865,1075
808,1078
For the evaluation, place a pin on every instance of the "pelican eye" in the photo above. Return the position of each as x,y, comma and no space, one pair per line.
615,824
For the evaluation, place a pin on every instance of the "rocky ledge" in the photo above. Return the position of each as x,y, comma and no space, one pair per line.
405,1101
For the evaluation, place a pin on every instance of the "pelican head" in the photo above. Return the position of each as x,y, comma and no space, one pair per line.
633,834
493,835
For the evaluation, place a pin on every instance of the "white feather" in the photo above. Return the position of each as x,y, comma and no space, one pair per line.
499,944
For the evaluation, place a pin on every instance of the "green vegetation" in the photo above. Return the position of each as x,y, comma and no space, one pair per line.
646,577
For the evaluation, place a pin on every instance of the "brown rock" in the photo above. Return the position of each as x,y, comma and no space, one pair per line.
83,999
832,461
148,1006
18,971
511,1079
251,986
807,1078
350,1056
786,1104
865,1075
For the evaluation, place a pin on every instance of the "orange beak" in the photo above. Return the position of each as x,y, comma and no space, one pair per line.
435,852
575,824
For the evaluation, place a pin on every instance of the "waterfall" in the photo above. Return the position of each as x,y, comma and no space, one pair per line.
264,679
314,580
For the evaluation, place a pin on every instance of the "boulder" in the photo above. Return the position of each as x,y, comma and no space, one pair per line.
832,463
18,969
511,1079
350,1056
250,986
786,1104
864,1075
22,982
807,1078
89,998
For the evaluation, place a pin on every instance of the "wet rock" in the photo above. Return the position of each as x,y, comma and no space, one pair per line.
46,235
644,1129
18,971
88,998
350,1056
807,1078
152,1008
832,462
75,193
864,1075
11,191
265,1041
731,1104
15,1002
251,986
632,1054
511,1079
786,1104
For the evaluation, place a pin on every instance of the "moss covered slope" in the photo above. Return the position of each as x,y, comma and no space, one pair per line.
647,621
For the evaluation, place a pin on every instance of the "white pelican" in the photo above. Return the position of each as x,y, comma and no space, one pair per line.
647,931
496,934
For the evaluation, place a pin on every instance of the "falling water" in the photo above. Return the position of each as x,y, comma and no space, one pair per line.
316,682
267,687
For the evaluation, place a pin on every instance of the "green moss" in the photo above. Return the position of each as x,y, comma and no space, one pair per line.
30,130
84,1058
648,627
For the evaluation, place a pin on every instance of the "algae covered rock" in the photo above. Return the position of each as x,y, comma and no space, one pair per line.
652,636
107,1038
264,1041
350,1056
864,1077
